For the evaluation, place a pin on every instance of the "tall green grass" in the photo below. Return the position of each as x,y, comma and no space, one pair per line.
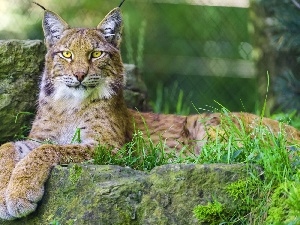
140,154
134,57
171,100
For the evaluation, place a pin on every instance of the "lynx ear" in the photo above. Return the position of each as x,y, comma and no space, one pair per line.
111,27
53,26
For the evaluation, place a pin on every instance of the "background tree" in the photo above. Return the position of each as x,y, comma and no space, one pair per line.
277,36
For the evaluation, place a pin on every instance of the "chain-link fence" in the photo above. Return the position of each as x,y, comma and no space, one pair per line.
201,47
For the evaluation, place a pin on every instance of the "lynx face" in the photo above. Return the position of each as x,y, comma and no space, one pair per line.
82,63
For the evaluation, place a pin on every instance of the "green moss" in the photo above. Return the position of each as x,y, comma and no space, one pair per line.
244,193
75,173
243,190
246,196
211,212
285,204
237,189
127,217
54,222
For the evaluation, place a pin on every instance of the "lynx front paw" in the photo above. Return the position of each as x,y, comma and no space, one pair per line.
23,193
3,209
20,207
21,202
7,162
4,213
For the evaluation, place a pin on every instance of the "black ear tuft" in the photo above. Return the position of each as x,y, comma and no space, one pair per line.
121,3
44,7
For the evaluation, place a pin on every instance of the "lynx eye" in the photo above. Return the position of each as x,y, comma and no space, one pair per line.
96,54
67,54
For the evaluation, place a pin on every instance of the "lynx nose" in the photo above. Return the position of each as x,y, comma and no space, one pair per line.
80,76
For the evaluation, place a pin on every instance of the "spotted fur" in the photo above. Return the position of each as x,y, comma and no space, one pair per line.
82,90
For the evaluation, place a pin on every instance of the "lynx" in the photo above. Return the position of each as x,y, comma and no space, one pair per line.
81,89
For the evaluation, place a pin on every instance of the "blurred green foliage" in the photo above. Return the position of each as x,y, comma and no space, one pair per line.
205,50
282,26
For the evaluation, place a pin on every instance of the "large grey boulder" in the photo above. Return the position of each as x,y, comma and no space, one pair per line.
111,195
21,65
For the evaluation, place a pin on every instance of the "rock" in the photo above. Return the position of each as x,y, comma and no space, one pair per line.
112,195
135,89
21,66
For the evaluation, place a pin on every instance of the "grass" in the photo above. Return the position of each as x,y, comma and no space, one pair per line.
24,130
261,199
139,154
133,57
171,99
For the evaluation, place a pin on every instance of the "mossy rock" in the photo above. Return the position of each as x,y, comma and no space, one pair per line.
110,195
20,67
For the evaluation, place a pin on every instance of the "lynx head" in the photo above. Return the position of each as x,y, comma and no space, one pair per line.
82,63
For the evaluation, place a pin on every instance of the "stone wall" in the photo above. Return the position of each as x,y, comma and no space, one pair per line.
111,195
21,65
